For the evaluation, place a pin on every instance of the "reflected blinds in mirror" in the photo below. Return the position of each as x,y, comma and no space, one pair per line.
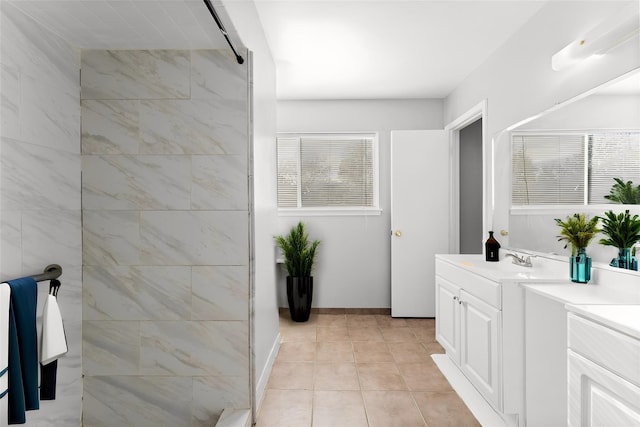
612,155
548,169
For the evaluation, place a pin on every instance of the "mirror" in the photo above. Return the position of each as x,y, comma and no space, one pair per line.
610,108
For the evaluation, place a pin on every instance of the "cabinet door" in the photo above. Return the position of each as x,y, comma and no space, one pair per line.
480,346
448,317
598,397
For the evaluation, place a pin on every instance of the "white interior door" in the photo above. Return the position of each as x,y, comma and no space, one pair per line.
419,218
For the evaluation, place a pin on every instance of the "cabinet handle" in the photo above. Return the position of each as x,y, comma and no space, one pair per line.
455,298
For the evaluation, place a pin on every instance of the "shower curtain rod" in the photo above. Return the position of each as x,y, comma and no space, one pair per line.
51,272
239,58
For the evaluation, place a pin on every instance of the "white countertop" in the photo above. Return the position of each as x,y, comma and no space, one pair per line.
581,293
505,270
623,318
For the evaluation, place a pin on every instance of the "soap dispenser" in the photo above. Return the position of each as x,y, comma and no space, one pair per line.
491,248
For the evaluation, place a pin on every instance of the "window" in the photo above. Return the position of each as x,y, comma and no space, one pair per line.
571,168
328,171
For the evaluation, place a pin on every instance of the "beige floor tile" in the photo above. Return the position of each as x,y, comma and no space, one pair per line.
380,376
332,334
371,333
361,320
423,377
297,351
291,376
424,335
392,409
338,409
444,409
368,352
385,321
399,334
339,351
433,348
409,352
304,333
336,376
286,408
332,320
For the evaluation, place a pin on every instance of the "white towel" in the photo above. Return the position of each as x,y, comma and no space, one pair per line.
54,341
5,295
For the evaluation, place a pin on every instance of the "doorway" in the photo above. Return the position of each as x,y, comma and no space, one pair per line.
468,181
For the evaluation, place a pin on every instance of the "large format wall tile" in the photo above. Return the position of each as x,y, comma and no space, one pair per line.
110,237
111,401
194,238
51,236
137,293
212,394
192,127
34,177
136,182
219,183
194,348
111,348
135,74
110,127
220,293
216,75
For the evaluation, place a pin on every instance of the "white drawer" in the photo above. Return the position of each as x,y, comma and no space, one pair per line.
478,286
618,352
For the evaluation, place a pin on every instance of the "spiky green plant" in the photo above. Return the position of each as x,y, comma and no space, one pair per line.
622,230
577,231
624,193
299,253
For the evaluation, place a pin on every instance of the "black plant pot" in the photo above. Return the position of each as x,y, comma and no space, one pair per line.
299,295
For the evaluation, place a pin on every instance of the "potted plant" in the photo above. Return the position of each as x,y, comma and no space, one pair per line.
624,193
299,257
622,231
578,231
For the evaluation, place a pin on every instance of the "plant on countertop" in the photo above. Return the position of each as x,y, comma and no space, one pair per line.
577,231
299,254
622,230
299,257
624,193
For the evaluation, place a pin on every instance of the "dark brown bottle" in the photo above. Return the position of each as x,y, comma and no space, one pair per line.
491,248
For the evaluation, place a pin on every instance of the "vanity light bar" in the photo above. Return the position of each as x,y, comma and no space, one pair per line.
609,34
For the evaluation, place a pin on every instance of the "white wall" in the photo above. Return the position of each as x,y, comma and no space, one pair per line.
353,267
518,82
244,17
40,186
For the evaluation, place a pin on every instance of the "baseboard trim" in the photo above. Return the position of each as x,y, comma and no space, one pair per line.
261,385
232,417
479,407
343,310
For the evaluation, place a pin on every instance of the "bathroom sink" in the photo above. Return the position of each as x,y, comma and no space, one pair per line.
505,269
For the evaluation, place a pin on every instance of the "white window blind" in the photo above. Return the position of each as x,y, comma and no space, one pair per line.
612,155
327,171
548,169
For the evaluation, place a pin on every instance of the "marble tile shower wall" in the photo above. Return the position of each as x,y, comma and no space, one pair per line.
40,215
165,237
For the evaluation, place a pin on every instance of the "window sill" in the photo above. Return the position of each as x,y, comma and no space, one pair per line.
330,212
563,209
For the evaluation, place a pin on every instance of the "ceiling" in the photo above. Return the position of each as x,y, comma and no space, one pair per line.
324,49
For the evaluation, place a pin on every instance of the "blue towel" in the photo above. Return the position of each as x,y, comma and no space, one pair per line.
23,349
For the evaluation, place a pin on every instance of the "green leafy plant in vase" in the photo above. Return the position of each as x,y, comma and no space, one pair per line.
624,193
299,258
623,232
578,231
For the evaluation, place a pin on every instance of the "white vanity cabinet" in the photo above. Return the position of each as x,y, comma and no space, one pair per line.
604,366
468,326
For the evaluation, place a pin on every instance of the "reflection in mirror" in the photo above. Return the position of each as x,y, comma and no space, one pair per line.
581,157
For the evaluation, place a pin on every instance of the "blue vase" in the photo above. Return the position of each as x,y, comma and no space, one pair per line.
580,267
625,260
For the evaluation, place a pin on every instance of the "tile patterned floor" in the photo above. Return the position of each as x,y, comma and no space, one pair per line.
359,370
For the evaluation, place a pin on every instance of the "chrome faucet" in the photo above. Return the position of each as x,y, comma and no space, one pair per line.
520,260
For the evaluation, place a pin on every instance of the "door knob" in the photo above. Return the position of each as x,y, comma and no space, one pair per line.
398,233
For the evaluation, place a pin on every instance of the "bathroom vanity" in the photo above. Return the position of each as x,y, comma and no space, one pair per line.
506,329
